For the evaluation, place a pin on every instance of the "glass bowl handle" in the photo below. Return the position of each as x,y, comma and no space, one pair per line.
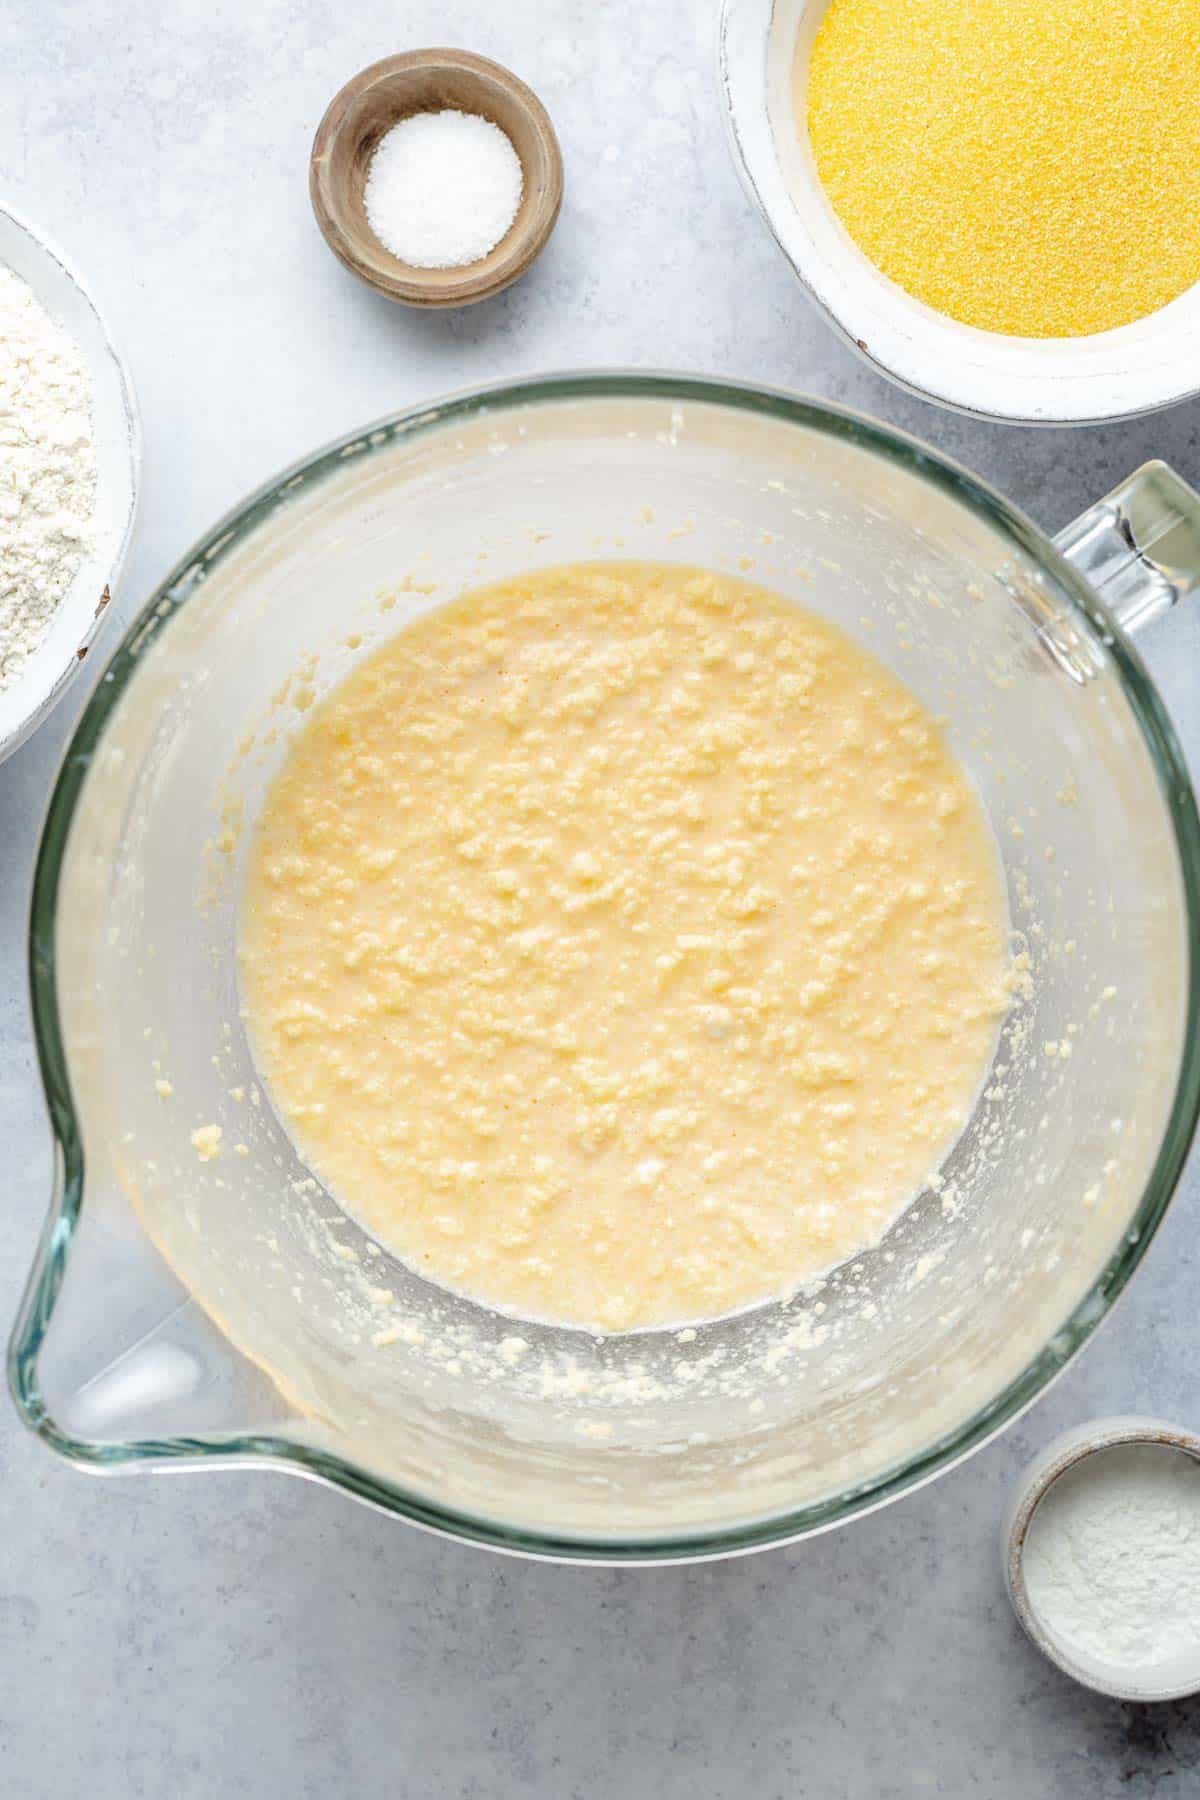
1139,547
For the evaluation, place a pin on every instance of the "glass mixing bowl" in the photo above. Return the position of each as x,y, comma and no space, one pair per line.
187,1311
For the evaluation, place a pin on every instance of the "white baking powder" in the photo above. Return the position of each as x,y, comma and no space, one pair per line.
47,470
1112,1556
442,189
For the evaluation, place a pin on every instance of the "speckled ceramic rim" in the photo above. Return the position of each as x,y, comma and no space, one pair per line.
156,617
1093,1439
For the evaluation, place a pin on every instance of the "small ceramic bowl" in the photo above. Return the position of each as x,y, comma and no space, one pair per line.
84,609
1170,1681
1137,368
431,81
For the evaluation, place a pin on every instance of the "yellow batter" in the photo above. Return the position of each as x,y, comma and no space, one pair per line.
622,944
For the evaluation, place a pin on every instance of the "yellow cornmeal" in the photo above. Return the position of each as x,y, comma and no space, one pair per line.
622,944
1028,166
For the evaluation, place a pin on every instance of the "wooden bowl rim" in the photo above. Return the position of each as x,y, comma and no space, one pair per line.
387,274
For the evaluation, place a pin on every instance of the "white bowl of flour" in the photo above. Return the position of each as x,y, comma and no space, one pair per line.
70,457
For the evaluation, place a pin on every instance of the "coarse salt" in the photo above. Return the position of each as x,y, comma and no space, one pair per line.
443,188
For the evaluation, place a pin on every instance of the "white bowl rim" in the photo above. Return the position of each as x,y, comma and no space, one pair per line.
1063,1453
1137,369
93,580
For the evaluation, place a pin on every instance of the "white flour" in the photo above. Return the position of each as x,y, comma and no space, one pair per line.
1112,1559
47,470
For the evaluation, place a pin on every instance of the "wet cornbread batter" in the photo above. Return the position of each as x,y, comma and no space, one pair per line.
623,944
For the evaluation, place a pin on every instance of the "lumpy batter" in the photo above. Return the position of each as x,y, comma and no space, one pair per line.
623,944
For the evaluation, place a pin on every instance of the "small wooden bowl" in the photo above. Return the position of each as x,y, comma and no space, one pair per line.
431,81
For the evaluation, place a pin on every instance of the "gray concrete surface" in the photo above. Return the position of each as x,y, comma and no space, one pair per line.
251,1635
